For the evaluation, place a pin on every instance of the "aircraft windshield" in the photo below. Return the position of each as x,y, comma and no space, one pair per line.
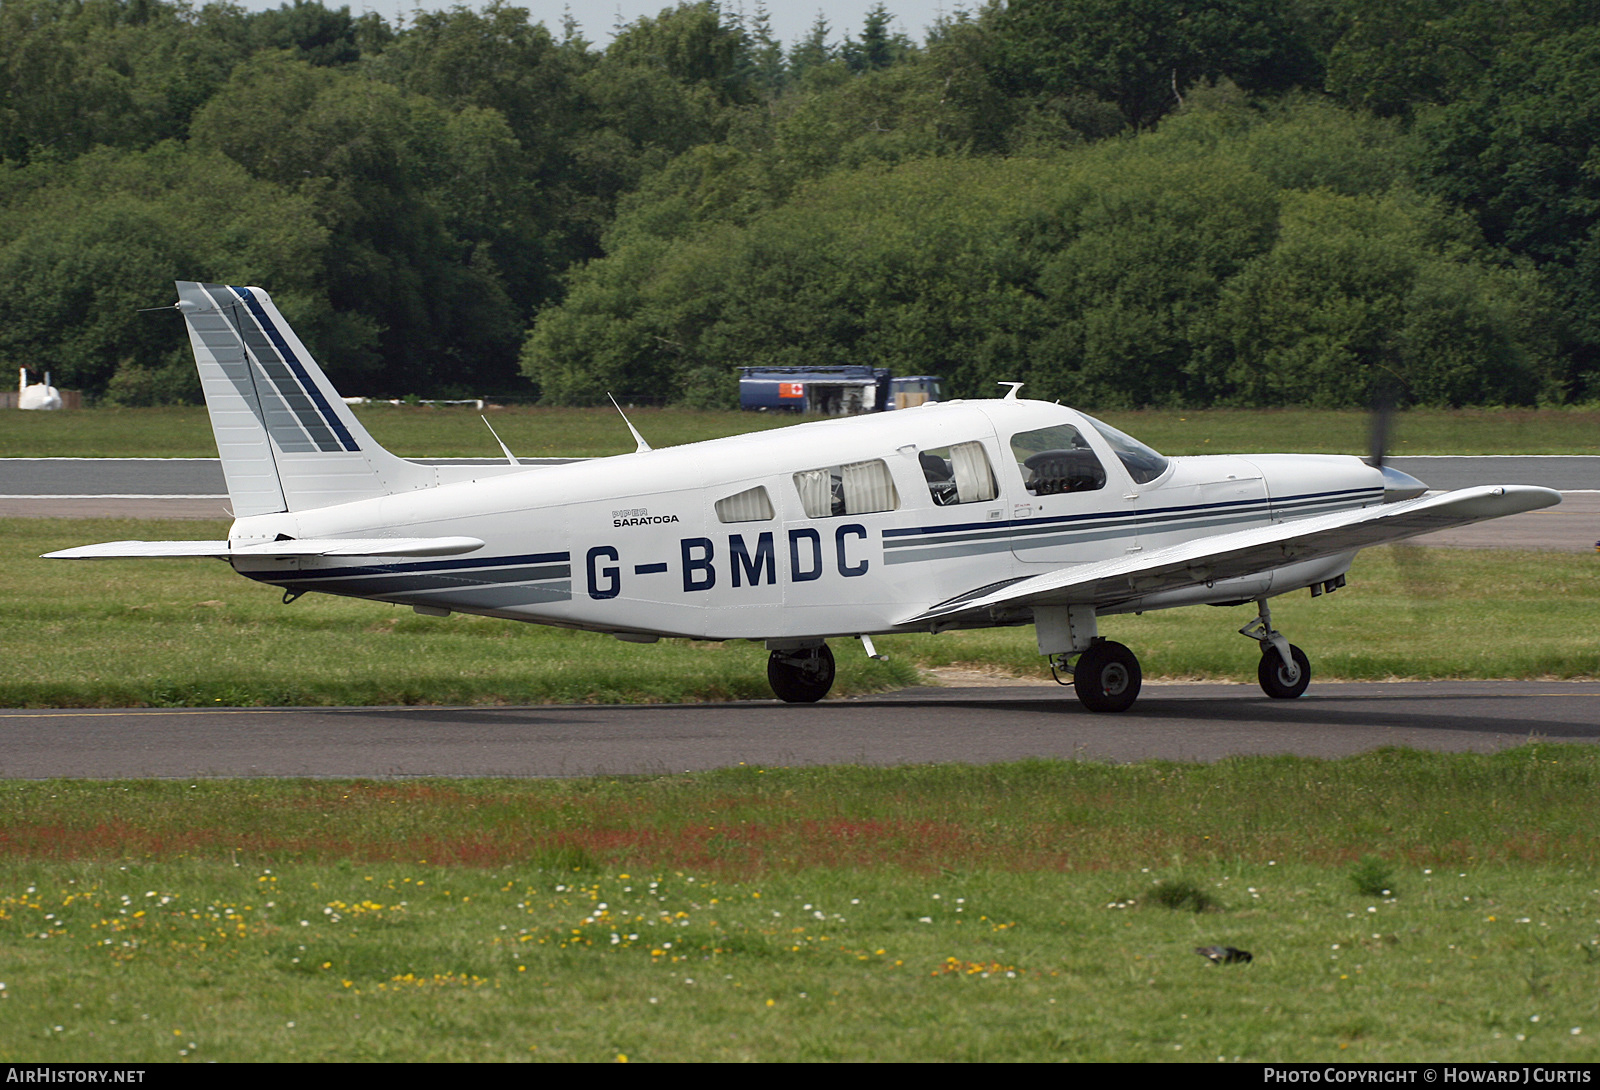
1143,464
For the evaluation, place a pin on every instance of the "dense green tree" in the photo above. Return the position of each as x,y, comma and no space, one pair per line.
76,74
401,182
1368,294
1143,55
666,85
879,46
905,269
815,51
1131,260
1197,264
692,44
540,219
1519,152
1392,56
317,34
85,245
442,185
766,73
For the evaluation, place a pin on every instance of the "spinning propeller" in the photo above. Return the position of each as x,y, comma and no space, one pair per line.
1397,486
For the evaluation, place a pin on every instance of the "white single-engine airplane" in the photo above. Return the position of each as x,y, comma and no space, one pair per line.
965,514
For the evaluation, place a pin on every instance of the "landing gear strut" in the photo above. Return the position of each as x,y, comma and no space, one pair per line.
801,676
1284,671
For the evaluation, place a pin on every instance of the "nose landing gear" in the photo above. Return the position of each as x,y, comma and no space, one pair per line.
1284,672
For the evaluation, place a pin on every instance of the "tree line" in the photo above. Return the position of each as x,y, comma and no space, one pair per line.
1120,202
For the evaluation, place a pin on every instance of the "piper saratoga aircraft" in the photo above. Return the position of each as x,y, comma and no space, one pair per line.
962,514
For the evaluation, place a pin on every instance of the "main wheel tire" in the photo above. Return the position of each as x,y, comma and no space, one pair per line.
1107,677
801,677
1275,679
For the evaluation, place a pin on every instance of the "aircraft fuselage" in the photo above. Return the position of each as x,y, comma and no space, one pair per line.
830,528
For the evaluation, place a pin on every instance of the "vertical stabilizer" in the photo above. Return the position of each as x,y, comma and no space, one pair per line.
288,442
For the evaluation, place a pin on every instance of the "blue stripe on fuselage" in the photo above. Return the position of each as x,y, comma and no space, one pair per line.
422,567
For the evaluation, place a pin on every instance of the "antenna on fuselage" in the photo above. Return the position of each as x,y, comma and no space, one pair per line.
512,458
637,438
1011,395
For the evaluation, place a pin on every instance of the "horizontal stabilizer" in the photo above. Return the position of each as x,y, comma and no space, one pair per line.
1242,553
328,546
113,549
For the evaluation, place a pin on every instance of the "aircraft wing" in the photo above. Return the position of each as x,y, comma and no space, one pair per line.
1243,552
329,546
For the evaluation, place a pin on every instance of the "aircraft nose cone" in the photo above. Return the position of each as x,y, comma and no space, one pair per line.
1399,486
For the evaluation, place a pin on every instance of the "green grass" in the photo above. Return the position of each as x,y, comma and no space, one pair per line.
1008,912
542,432
115,633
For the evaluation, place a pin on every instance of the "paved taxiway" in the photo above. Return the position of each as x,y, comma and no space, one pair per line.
976,725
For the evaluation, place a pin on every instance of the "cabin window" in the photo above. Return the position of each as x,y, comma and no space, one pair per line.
853,489
958,474
751,505
1057,459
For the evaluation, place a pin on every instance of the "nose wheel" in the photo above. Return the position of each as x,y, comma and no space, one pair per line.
802,676
1277,680
1107,677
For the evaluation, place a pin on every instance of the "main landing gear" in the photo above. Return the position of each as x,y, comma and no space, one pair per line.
1284,671
802,675
1107,677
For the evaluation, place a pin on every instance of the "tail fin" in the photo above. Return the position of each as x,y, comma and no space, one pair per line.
286,439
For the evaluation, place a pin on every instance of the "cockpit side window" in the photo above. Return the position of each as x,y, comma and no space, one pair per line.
751,505
856,488
1057,459
958,474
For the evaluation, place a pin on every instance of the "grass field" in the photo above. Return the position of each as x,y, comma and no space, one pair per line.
192,633
1418,907
541,432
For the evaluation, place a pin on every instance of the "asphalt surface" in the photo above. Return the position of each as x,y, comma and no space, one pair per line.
916,726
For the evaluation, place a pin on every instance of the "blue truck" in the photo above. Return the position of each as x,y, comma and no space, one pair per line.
845,390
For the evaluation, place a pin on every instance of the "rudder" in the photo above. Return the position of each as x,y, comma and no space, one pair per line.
287,441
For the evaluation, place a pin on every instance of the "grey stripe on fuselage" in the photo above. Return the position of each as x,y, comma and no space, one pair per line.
489,586
391,582
480,595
